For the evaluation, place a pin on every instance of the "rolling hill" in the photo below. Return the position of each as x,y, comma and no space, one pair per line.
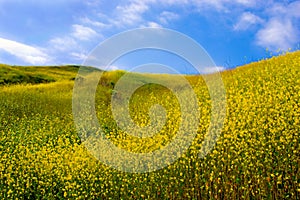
42,156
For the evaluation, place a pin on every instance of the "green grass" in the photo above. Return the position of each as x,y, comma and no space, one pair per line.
10,75
256,156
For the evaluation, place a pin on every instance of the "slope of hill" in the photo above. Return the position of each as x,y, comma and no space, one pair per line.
38,74
255,157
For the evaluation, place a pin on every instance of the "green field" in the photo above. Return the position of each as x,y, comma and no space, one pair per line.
256,156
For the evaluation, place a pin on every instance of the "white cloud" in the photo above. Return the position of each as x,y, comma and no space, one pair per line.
131,14
63,44
282,30
92,3
248,3
173,2
283,10
83,33
223,5
97,24
26,53
246,21
151,25
167,16
278,34
78,56
217,4
72,45
67,47
293,9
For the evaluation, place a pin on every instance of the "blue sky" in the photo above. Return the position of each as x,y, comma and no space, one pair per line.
233,32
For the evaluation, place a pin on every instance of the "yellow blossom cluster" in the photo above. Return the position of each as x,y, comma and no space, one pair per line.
255,157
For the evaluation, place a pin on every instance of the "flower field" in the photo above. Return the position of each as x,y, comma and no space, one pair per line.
257,155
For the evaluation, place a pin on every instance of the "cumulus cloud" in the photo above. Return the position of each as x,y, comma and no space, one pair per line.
223,5
151,25
73,44
98,24
83,32
278,34
63,44
293,9
131,14
249,3
78,55
27,53
167,16
283,10
281,31
247,20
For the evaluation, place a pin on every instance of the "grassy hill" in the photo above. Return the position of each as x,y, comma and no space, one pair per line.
38,74
256,155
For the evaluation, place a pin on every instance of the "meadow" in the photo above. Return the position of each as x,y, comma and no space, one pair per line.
257,155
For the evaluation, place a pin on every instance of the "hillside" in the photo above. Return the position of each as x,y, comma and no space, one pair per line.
38,74
255,157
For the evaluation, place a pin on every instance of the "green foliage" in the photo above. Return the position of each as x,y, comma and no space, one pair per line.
34,75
